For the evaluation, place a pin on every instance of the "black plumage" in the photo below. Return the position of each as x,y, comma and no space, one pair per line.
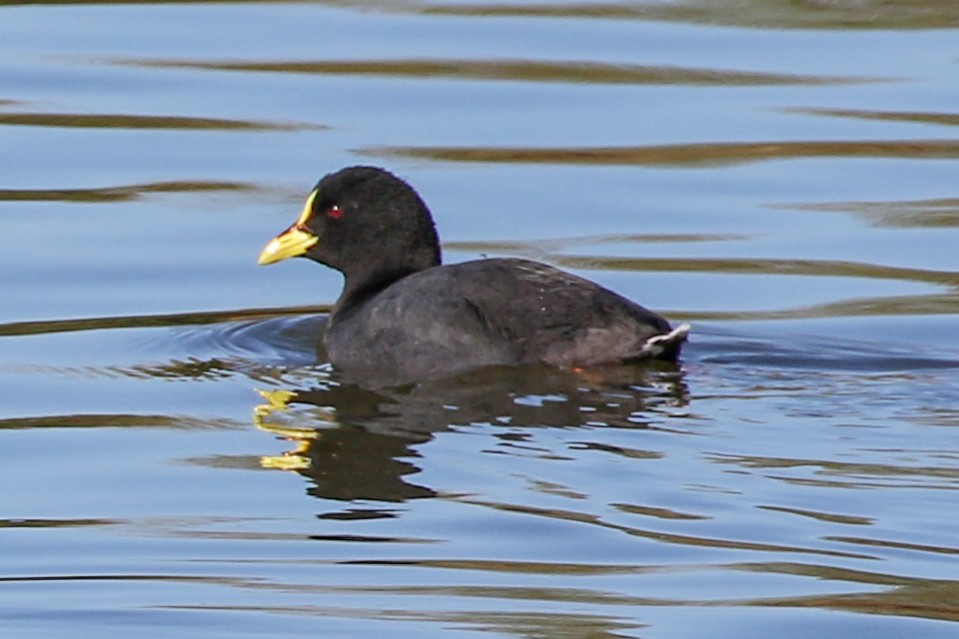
402,312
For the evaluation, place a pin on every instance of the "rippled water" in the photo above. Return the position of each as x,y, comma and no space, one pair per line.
177,457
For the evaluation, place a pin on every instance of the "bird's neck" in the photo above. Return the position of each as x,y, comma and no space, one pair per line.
357,290
368,278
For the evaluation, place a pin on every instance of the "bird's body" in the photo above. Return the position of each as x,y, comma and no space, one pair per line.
490,311
403,312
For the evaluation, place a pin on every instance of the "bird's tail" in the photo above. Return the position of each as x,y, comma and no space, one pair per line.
667,345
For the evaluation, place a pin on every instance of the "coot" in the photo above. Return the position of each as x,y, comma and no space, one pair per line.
403,314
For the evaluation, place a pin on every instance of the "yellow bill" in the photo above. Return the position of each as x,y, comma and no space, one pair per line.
294,241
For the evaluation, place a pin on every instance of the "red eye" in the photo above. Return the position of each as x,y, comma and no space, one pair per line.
335,212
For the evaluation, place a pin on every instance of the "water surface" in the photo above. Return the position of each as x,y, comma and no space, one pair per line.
177,456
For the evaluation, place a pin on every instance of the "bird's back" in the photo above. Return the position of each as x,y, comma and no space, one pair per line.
555,317
485,312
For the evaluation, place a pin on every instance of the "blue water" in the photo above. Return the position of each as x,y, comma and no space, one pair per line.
177,457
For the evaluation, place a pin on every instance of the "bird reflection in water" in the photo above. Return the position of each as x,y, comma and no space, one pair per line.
356,443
